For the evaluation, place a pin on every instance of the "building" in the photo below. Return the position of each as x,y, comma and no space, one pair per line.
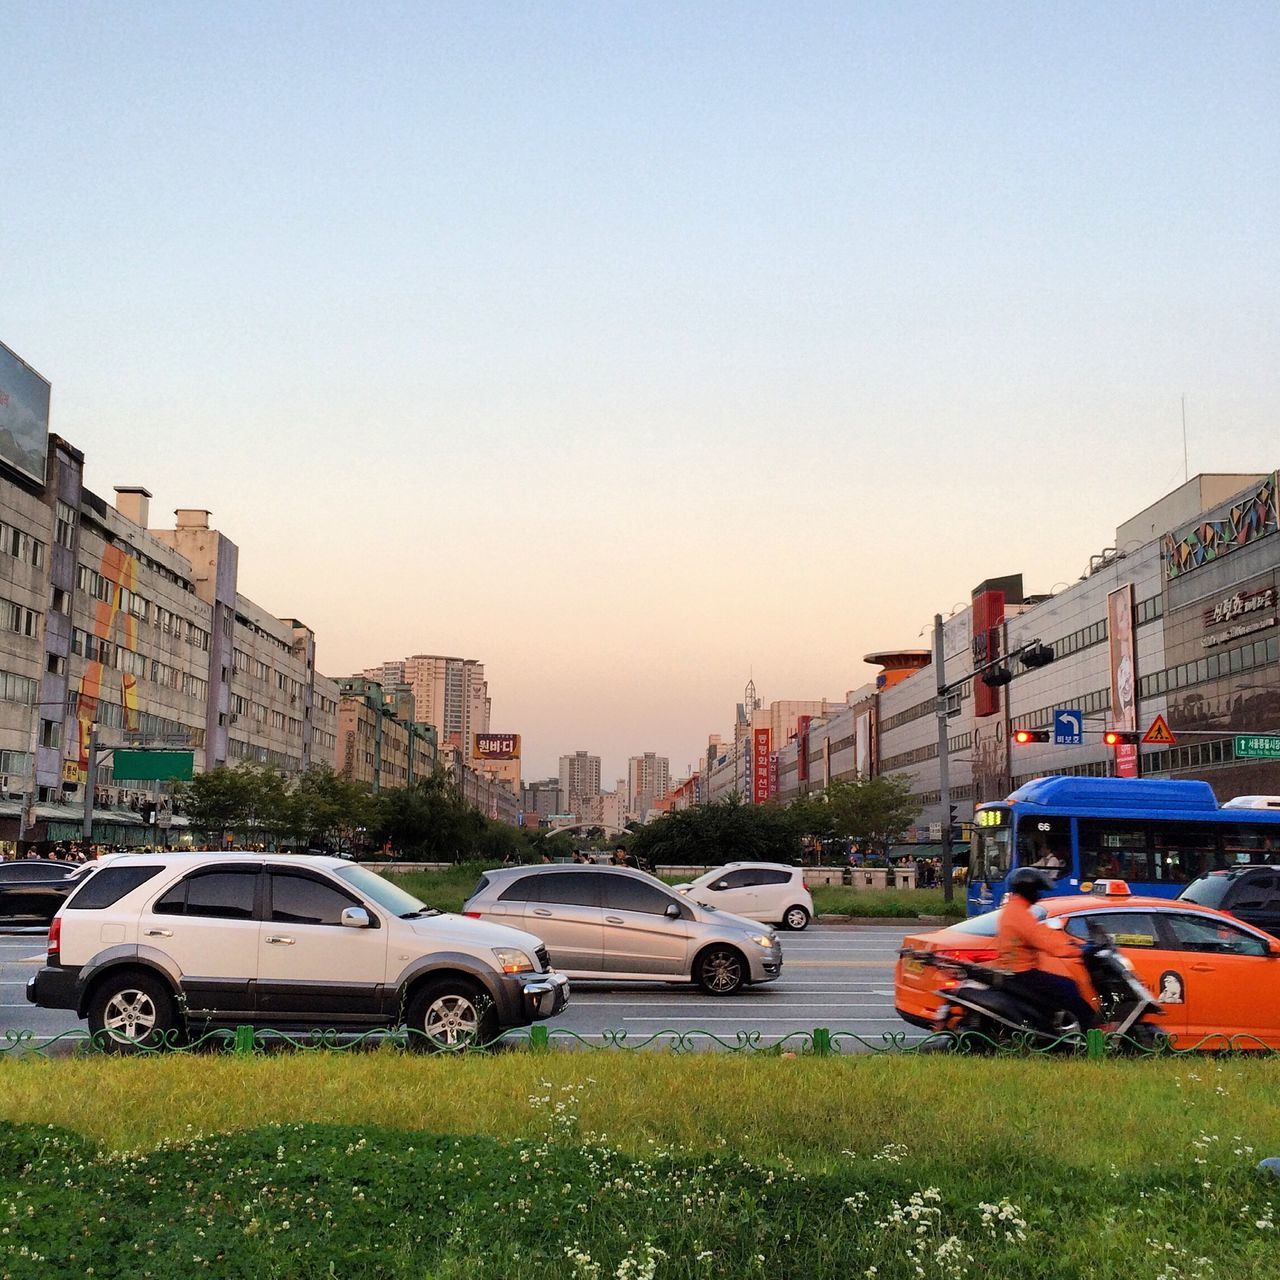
579,780
379,749
450,693
539,800
648,779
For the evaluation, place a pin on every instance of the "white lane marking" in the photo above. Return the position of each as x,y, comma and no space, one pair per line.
857,1021
779,1004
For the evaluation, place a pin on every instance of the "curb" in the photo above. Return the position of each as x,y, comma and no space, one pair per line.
906,921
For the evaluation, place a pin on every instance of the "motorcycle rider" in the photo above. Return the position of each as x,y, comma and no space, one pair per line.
1022,942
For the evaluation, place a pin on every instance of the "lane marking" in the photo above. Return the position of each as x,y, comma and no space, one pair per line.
838,964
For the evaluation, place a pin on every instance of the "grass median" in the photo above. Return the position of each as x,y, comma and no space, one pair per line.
610,1164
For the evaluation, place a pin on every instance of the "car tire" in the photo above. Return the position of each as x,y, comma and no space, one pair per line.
451,1014
132,1012
795,919
721,971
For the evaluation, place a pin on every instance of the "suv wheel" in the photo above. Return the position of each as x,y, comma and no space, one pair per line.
720,971
450,1014
131,1012
796,918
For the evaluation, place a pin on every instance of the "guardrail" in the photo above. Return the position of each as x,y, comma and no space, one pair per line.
814,1042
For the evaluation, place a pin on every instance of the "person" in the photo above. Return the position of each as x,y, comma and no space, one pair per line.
546,857
1023,943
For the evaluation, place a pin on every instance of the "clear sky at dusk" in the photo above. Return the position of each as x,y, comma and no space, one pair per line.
633,348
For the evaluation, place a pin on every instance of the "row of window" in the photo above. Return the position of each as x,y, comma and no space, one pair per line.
150,727
1087,704
1094,769
19,619
1245,657
263,755
21,546
958,794
242,621
64,524
962,742
99,587
116,656
927,708
16,688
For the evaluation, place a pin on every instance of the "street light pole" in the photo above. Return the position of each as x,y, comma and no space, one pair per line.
86,825
944,773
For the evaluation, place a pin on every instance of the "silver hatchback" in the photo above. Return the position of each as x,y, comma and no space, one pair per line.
618,925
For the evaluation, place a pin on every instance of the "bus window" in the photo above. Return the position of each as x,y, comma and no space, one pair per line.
1251,844
1113,849
1183,851
1045,843
989,856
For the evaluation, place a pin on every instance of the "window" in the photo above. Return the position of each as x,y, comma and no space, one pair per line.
1045,843
106,887
64,527
50,733
1113,849
1183,851
300,900
1203,933
734,879
1125,928
57,665
1251,844
623,893
773,877
222,895
1257,892
60,601
570,888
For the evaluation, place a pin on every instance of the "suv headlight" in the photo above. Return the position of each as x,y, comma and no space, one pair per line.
512,961
762,939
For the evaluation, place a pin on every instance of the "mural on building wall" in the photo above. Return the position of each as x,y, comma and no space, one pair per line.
1208,541
115,625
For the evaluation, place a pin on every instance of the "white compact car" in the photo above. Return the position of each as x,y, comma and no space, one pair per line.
150,945
770,892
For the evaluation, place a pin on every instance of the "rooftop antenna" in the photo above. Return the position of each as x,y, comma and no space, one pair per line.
1186,468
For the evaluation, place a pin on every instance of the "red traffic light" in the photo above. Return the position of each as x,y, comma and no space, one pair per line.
1023,736
1114,737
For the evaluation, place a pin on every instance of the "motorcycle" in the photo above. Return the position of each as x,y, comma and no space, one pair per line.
982,1006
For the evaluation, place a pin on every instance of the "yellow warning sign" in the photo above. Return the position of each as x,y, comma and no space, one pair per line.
1159,735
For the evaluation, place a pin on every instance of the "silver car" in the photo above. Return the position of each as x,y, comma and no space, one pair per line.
619,925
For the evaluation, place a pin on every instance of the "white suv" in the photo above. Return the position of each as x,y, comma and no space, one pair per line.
770,892
152,944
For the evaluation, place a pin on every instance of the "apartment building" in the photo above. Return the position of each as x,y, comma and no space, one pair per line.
579,780
450,693
648,780
377,747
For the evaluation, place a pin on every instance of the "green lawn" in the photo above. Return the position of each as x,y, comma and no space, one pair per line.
600,1165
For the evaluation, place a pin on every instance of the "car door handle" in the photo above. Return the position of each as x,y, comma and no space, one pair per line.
158,933
280,940
614,920
541,911
1202,968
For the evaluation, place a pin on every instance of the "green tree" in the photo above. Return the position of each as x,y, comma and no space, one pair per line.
875,812
215,802
711,834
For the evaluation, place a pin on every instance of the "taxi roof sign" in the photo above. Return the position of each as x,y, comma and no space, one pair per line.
1159,735
1111,888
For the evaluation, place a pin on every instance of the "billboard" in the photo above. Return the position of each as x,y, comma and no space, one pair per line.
1124,676
495,746
763,748
24,416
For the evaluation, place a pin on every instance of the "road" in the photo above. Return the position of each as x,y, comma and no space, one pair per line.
834,976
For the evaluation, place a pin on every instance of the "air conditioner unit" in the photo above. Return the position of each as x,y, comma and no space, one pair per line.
4,783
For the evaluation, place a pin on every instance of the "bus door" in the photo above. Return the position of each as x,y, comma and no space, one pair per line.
989,858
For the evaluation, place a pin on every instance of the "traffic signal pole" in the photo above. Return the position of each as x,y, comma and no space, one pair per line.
944,771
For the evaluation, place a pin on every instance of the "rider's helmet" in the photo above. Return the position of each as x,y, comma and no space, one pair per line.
1029,883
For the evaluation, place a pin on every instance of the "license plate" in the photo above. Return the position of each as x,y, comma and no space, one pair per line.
913,966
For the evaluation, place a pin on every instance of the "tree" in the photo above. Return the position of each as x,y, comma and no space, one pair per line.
712,834
872,811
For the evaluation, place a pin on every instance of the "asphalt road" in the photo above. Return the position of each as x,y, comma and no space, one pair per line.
834,976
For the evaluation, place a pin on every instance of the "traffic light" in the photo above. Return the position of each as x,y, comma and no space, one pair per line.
997,676
1037,655
1024,736
953,824
1114,737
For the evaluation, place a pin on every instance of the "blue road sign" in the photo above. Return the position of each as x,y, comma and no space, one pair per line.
1068,727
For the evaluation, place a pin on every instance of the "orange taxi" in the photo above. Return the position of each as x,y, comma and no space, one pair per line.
1216,978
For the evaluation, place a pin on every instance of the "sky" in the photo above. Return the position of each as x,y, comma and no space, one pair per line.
637,349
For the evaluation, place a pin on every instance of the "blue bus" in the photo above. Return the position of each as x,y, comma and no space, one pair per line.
1158,835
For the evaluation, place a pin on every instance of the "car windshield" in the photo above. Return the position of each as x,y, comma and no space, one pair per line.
985,925
383,892
1208,891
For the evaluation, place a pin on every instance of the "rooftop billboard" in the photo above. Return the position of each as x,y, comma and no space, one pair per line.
495,746
24,416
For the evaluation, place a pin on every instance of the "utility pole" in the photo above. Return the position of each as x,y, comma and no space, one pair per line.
86,825
944,772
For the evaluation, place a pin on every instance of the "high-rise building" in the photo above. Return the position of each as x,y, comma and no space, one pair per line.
450,693
540,800
579,780
648,779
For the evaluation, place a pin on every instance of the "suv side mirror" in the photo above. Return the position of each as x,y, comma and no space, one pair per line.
673,913
355,918
720,884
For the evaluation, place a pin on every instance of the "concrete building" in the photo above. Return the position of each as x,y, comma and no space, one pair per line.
579,780
378,748
450,693
539,800
648,780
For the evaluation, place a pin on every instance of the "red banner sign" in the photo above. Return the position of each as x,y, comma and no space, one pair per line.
760,765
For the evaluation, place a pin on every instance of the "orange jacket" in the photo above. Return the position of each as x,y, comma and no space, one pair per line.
1023,942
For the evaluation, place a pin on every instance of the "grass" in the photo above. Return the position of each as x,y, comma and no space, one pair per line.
611,1165
449,889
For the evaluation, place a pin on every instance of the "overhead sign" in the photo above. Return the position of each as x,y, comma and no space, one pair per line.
496,746
1068,727
1159,735
153,766
24,416
1258,746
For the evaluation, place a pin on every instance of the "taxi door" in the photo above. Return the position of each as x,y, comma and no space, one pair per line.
1229,980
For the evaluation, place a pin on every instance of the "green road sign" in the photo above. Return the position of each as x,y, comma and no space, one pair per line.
153,766
1258,746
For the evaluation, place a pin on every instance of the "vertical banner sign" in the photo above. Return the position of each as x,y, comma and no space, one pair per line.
760,766
773,775
1124,676
802,748
988,618
862,746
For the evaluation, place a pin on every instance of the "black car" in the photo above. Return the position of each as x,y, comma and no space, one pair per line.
32,890
1251,894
